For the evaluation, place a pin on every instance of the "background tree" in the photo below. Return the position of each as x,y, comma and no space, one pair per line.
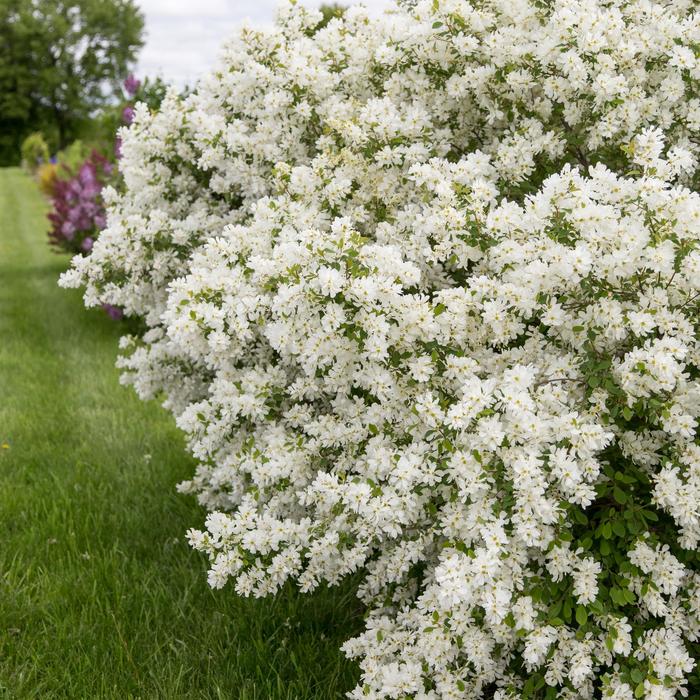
59,61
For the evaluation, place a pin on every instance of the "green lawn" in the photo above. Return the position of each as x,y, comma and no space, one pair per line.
100,595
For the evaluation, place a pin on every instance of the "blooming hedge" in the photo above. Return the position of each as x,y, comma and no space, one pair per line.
424,292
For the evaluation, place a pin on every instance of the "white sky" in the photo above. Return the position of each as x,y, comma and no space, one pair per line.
183,37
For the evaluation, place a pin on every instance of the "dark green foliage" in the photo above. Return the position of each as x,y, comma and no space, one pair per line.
59,61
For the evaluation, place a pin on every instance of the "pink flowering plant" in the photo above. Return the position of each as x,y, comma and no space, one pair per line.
423,291
78,213
78,210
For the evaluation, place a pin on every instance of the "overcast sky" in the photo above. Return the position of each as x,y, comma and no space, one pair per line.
183,37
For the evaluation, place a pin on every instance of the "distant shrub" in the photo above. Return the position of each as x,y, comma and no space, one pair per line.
46,176
78,212
35,151
71,158
64,166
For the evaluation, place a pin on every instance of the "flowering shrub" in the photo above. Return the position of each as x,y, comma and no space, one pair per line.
131,85
63,166
72,157
46,176
78,213
424,293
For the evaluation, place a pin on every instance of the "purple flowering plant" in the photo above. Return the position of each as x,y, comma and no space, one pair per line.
128,114
78,214
131,85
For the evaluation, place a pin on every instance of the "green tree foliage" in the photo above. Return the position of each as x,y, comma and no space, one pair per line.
59,61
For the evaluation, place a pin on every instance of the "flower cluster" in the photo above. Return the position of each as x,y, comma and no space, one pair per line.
78,213
424,293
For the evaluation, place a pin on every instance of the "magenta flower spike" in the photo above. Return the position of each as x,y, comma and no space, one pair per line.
128,115
131,84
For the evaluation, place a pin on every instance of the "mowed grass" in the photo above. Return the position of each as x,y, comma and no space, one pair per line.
100,595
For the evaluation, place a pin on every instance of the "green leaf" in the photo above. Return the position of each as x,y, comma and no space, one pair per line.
566,612
579,516
596,606
618,596
581,614
619,528
627,412
639,691
637,675
619,495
